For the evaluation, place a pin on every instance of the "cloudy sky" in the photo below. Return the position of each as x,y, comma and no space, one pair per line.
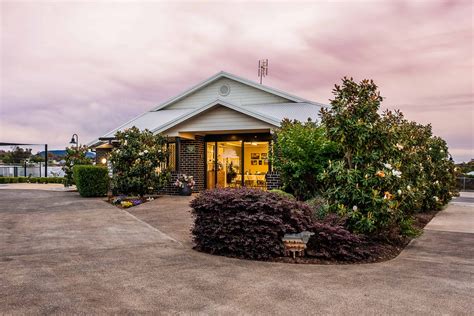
85,67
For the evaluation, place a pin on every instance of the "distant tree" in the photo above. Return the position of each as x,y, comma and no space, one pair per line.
74,156
17,155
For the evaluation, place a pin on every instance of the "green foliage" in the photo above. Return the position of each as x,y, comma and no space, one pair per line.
16,155
138,162
31,180
391,168
74,157
282,193
300,154
91,180
319,206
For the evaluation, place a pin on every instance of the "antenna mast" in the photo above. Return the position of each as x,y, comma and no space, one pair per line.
262,68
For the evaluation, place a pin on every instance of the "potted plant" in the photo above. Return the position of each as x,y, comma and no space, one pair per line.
185,183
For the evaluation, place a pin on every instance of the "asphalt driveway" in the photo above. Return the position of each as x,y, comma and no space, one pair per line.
60,253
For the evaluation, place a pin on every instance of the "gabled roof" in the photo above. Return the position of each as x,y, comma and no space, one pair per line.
223,74
244,110
160,119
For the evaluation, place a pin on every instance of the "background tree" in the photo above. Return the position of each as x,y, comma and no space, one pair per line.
74,157
139,162
16,155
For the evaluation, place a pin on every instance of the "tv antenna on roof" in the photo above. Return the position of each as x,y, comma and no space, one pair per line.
262,68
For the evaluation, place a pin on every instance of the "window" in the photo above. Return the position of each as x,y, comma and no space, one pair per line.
172,156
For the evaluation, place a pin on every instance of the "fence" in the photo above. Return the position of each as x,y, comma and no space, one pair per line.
465,184
36,170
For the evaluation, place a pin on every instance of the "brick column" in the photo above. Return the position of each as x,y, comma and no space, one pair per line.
273,180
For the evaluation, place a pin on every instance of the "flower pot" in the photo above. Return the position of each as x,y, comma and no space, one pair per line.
186,191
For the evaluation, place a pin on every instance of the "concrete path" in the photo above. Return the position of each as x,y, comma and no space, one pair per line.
37,186
63,254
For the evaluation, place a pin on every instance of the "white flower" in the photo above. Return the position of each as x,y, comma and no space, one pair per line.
408,187
400,147
355,208
145,151
140,154
429,148
435,198
399,192
436,182
388,166
442,151
397,173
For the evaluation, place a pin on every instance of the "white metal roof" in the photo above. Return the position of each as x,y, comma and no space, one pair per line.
150,120
300,111
160,119
223,74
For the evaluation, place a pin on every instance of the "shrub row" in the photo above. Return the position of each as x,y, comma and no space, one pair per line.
31,180
91,180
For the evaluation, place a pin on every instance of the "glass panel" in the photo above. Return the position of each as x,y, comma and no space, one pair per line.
210,166
256,164
172,156
228,164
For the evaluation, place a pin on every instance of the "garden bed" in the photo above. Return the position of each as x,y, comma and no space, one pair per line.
125,202
378,250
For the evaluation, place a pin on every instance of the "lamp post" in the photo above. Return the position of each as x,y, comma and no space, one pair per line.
75,140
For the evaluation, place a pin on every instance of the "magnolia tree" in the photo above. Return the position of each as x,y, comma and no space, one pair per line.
74,156
391,168
139,162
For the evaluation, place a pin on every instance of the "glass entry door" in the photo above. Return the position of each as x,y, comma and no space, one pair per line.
224,164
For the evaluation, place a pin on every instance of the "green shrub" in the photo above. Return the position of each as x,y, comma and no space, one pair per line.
137,162
319,207
22,179
91,180
246,223
75,156
282,193
14,180
301,152
4,180
391,168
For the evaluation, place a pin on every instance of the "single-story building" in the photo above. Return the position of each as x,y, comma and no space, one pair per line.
219,131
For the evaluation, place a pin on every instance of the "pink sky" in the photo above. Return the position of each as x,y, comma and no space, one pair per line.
86,67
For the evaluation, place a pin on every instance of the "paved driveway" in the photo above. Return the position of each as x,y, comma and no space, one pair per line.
60,253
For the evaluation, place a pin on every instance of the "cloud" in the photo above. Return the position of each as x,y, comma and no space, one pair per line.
87,67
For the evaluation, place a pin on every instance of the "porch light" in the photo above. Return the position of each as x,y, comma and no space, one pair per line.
103,161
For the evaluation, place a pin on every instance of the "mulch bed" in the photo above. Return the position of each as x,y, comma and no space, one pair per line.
125,202
380,250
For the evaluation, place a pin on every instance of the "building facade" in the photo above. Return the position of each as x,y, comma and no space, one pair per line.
220,131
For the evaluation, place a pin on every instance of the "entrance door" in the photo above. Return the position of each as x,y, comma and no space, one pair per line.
224,164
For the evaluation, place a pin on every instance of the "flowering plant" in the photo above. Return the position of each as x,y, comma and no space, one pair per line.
126,204
184,180
138,162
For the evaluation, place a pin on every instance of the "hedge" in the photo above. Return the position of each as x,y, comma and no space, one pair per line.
31,180
91,180
246,223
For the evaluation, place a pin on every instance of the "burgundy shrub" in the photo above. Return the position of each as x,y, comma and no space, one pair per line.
246,223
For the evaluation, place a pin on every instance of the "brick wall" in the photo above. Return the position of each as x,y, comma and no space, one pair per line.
273,180
191,163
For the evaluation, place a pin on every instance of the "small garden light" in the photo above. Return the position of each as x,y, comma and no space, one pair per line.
103,160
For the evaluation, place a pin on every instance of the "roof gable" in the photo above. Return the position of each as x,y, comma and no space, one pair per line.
215,103
242,92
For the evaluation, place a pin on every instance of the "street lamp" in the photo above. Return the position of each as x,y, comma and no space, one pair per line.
75,140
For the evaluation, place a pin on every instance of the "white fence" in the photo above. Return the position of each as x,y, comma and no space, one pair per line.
36,170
